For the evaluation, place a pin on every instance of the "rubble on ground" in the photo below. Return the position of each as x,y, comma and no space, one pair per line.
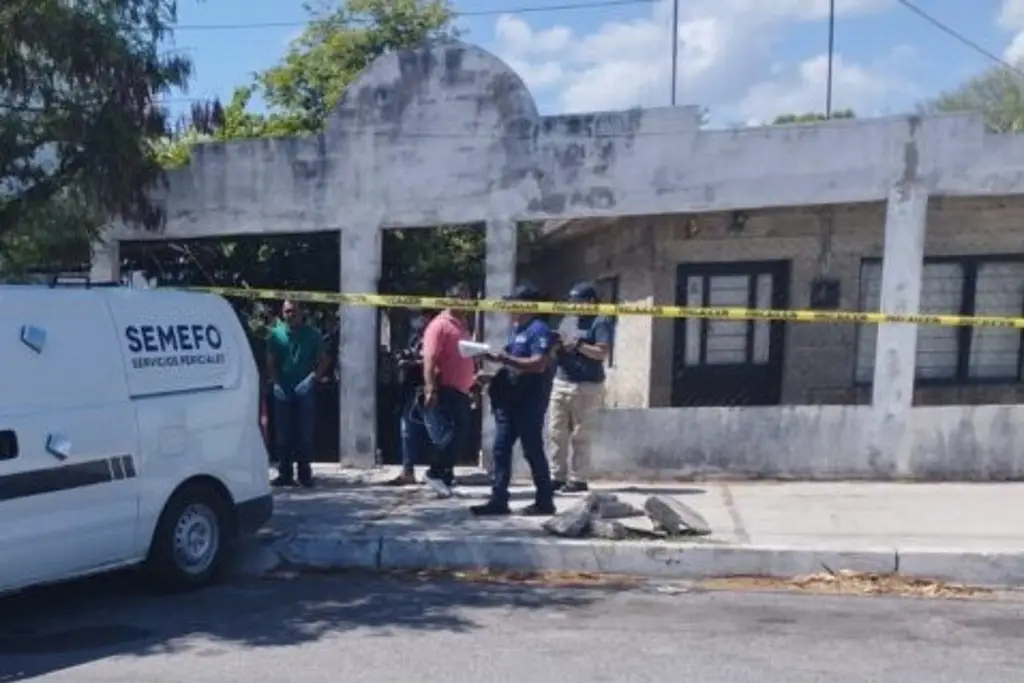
597,515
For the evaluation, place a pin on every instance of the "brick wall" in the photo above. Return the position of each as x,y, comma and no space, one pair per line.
644,252
625,250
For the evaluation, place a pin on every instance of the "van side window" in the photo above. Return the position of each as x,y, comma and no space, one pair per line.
8,445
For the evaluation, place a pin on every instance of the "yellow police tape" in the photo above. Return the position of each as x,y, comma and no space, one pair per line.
500,306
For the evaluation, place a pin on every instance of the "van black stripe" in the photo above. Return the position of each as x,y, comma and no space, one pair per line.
64,478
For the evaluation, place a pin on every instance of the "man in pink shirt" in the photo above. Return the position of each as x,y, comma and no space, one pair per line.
448,383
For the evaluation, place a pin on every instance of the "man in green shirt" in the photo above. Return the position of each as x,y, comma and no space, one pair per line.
296,360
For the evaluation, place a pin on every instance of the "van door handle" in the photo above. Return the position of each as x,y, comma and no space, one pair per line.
59,446
8,444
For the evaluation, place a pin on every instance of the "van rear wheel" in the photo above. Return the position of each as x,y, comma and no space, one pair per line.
192,539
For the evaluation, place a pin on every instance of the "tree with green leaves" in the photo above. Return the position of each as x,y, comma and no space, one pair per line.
337,45
339,42
997,93
78,88
812,117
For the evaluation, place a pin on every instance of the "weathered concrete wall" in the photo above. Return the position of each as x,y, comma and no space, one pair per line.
449,134
951,443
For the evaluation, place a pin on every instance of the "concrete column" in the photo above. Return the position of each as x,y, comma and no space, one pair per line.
500,278
357,348
896,349
105,264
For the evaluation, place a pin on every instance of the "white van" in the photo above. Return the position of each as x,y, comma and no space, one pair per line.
129,434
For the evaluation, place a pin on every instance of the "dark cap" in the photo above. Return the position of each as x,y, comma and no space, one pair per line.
583,291
523,292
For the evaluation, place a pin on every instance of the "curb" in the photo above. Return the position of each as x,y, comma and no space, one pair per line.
635,558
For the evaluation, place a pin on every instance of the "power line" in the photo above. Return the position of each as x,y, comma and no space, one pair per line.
593,4
958,36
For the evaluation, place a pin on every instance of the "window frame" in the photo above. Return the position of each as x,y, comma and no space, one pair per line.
969,265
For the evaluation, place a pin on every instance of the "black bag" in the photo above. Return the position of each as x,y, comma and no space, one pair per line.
410,365
500,390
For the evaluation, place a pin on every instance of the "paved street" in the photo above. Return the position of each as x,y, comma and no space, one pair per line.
355,629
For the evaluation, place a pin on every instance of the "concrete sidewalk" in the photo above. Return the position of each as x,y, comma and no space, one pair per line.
969,533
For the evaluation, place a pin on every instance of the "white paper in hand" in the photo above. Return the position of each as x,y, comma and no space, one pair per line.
568,329
472,349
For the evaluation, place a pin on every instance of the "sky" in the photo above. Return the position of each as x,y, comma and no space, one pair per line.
746,61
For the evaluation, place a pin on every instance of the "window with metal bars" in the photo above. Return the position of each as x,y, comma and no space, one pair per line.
987,285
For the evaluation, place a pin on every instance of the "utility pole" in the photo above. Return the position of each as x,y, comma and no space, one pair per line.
675,47
831,53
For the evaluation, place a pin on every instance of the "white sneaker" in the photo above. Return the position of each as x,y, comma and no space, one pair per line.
438,487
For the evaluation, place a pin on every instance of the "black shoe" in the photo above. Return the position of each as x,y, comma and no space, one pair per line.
282,481
306,482
557,485
574,487
538,510
491,509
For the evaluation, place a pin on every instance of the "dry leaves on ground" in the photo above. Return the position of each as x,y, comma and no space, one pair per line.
540,579
848,582
483,576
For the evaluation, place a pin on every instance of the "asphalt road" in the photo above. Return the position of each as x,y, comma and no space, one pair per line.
359,629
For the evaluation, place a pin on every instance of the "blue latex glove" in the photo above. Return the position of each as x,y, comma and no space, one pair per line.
303,387
279,393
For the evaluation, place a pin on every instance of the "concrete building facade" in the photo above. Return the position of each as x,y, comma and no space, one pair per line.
974,253
449,134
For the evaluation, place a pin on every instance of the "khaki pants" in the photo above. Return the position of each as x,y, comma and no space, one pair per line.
571,414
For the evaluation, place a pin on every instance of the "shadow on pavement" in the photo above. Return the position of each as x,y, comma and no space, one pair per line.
376,509
51,629
370,509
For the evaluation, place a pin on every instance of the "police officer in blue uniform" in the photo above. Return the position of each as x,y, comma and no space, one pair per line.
519,400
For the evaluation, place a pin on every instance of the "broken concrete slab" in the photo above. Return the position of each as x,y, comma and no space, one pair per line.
617,509
608,505
593,500
608,529
571,523
674,517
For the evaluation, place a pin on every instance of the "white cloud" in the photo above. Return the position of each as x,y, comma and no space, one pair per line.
802,89
1015,52
516,35
539,75
1011,17
725,61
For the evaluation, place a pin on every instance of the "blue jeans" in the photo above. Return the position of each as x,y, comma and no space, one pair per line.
294,421
414,437
454,408
524,422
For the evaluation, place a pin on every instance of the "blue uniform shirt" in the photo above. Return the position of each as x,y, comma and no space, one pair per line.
531,338
574,366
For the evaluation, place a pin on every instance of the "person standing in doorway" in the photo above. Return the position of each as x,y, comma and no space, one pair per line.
296,360
518,395
413,433
448,379
577,392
